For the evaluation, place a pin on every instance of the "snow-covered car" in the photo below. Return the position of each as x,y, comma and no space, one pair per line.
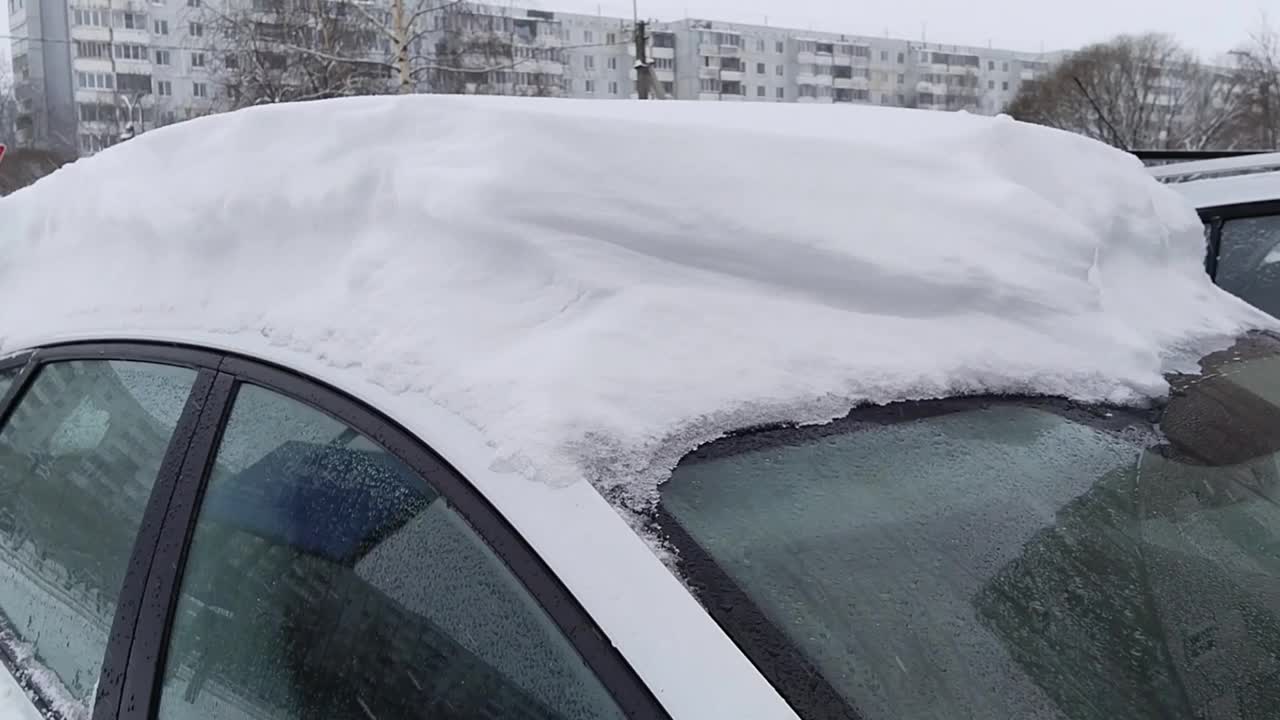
1238,199
439,407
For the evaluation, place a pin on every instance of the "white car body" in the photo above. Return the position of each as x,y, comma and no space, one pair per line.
1093,308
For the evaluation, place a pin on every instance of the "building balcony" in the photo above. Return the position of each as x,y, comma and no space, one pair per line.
660,52
730,50
846,83
731,97
710,96
822,59
87,32
732,75
709,50
843,60
708,73
806,58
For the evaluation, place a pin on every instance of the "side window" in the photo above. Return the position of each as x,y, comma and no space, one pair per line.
78,458
6,379
1249,261
327,579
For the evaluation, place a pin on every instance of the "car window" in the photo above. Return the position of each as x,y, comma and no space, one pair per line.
1003,558
6,379
78,457
1249,261
327,579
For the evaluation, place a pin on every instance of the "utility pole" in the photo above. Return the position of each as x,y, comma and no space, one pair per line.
642,62
402,45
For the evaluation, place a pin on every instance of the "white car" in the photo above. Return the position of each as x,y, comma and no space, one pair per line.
440,407
1238,199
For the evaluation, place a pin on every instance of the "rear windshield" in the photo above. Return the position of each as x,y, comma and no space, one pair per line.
1003,557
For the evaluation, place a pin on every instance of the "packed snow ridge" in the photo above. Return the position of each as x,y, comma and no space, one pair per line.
596,287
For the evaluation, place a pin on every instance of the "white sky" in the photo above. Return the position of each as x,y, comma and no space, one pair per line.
1210,27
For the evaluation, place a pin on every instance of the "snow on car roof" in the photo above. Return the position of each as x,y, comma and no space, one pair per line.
597,287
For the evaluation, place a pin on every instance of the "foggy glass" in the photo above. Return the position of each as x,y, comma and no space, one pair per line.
327,579
78,458
1249,261
1012,562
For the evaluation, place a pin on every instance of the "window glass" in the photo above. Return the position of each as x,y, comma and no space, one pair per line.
1249,261
6,379
1010,559
78,458
327,579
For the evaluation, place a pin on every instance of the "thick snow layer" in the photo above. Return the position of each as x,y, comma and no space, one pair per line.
599,286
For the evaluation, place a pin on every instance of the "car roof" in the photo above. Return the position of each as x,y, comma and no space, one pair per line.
1224,181
597,288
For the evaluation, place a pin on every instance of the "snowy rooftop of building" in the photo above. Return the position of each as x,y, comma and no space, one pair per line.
597,287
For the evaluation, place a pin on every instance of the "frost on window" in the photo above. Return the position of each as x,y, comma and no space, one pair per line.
327,579
78,458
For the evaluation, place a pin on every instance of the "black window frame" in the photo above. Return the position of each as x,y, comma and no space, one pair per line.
133,666
1216,216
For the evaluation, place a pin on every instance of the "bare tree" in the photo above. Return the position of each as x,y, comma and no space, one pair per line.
8,110
267,51
1259,71
1137,92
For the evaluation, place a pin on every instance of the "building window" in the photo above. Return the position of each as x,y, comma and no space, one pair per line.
588,36
164,87
613,63
590,86
129,20
231,62
991,84
126,51
566,85
613,87
95,81
200,90
902,79
195,29
611,39
1005,86
93,18
710,85
89,49
780,47
669,88
884,56
664,63
779,71
782,93
759,91
901,58
991,64
1004,67
161,27
197,59
193,3
760,69
589,62
162,57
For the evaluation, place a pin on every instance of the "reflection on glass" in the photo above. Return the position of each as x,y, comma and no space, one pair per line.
78,458
326,579
1249,261
1014,561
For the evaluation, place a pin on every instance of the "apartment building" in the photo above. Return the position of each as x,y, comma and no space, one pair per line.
91,72
88,72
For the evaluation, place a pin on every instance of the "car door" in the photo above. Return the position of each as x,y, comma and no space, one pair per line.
1244,251
82,445
260,546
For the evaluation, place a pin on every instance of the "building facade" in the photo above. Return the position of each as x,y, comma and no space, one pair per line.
89,73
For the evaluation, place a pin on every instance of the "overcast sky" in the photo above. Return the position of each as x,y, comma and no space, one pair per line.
1210,27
